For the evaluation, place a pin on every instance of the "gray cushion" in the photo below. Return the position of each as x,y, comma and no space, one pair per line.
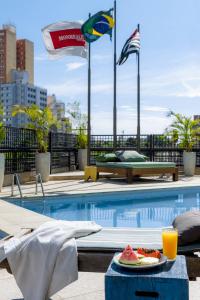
188,226
130,156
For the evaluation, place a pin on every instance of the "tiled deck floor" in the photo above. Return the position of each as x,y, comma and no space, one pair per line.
73,186
90,286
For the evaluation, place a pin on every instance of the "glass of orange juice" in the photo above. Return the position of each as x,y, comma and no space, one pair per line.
170,243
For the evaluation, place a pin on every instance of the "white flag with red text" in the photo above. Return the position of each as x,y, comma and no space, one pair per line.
65,38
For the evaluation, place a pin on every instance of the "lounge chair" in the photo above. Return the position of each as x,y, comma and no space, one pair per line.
96,250
130,169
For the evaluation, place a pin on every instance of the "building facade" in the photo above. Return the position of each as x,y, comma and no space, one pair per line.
57,107
20,92
17,76
15,54
7,52
25,57
58,110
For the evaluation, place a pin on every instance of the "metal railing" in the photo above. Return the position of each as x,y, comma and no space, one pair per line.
157,147
15,180
38,180
20,146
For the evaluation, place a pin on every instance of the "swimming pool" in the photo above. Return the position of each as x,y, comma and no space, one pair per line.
150,208
2,234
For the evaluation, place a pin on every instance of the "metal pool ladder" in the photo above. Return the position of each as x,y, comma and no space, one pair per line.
16,177
38,179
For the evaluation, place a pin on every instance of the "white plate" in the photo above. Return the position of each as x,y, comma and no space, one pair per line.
161,262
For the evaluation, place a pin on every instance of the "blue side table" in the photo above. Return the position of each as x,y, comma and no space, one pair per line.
167,282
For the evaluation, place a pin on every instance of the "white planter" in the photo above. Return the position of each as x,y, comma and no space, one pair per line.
189,163
2,169
82,158
42,162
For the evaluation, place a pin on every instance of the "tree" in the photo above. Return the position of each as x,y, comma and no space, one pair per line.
40,120
79,121
184,130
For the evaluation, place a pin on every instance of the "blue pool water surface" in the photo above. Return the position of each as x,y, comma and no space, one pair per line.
122,209
2,234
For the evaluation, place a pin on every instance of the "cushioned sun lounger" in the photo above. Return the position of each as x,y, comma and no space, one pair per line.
96,250
130,169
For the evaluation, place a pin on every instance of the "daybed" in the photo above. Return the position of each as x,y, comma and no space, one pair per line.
96,251
131,169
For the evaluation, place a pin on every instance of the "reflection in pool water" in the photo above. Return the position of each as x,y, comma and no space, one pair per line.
122,209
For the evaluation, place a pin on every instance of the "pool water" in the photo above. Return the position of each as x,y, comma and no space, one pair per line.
2,234
156,208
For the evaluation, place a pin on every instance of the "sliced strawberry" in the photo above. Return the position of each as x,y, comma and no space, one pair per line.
149,252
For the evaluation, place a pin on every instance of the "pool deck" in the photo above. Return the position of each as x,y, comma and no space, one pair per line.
65,184
90,286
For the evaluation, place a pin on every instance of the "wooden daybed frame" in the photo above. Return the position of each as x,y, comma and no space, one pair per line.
130,173
97,259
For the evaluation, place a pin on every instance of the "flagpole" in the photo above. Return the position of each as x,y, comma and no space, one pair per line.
138,96
115,80
89,103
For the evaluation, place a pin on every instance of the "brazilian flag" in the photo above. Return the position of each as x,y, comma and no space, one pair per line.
97,25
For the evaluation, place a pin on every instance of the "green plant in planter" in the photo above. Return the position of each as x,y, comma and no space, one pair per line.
39,120
2,128
184,130
79,121
81,138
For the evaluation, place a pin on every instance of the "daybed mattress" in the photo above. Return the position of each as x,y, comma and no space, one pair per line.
136,165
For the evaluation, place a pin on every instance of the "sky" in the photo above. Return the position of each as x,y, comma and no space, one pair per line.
170,59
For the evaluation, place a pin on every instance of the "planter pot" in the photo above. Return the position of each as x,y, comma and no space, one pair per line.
2,169
42,162
82,158
189,163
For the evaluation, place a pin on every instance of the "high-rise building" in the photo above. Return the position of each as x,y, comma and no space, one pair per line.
58,110
20,92
7,52
15,54
17,76
25,57
57,107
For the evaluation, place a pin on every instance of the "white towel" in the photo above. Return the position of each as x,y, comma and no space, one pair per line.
45,261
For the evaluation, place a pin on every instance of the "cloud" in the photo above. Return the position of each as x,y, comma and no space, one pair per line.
127,109
77,87
102,87
191,89
73,87
75,65
182,81
155,108
102,123
101,57
41,57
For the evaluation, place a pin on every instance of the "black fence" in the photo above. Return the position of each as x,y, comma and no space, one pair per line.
62,147
156,146
20,147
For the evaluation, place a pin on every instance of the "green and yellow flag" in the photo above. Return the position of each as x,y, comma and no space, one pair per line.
97,25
